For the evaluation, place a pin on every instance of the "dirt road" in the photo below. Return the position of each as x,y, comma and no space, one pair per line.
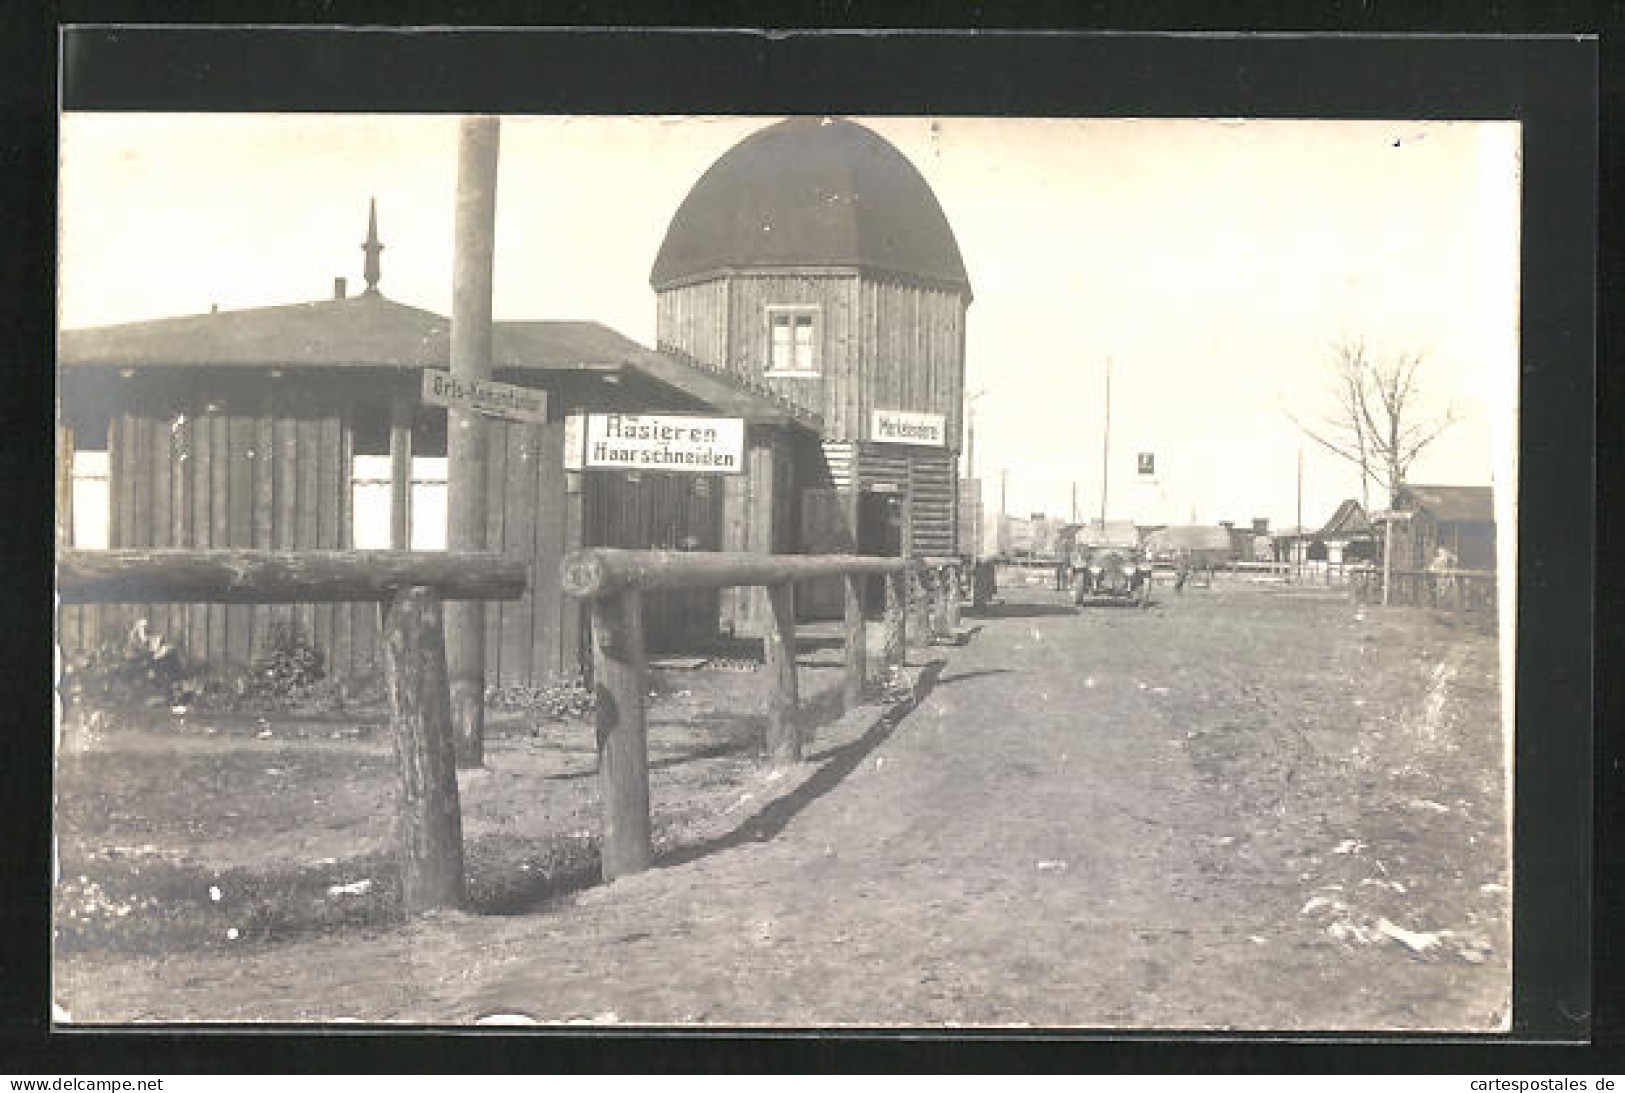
1236,809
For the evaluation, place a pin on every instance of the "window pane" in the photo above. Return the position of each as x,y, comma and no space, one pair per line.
90,510
370,468
90,464
781,341
370,527
804,343
429,468
428,515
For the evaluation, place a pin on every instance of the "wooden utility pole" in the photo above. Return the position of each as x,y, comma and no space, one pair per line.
1074,502
474,246
1106,448
1302,548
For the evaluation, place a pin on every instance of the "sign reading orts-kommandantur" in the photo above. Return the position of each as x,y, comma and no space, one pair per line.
908,427
485,397
665,442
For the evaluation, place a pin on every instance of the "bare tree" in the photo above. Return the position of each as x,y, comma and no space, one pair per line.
1379,424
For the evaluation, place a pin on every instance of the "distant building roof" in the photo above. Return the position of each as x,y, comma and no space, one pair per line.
1450,504
1189,537
1115,533
371,331
1348,522
810,192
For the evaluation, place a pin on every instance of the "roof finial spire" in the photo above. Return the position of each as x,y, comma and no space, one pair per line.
372,248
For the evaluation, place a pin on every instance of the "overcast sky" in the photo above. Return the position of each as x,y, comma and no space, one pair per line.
1215,263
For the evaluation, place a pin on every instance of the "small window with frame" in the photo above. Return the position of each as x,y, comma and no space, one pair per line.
792,341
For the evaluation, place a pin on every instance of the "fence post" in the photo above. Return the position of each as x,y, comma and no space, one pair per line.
896,632
779,641
623,754
429,825
940,589
856,652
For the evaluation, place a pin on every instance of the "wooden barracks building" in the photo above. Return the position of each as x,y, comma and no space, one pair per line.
810,302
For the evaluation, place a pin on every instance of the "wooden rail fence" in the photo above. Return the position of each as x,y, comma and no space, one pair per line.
410,588
1470,594
614,582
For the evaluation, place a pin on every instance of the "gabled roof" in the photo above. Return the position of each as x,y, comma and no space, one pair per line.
810,192
363,331
1450,504
371,331
1349,521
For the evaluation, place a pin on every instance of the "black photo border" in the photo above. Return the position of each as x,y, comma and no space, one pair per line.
1548,82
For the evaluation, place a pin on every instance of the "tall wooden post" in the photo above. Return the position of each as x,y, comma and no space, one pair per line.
896,631
400,474
856,652
473,252
429,826
623,754
1387,561
779,645
64,484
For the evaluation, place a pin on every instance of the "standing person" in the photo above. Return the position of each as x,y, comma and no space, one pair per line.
1444,582
1182,570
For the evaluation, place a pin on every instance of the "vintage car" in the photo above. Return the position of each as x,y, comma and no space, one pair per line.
1118,572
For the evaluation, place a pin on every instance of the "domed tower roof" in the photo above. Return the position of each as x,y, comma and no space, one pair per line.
810,192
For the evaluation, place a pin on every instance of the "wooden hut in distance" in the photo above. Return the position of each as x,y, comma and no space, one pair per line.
1459,518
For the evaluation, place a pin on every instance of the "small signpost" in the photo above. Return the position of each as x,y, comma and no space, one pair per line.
486,397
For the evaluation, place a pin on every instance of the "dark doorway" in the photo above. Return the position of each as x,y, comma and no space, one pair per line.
880,534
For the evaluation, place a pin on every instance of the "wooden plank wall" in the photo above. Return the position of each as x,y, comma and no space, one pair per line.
885,343
928,479
660,512
267,470
913,352
272,471
528,517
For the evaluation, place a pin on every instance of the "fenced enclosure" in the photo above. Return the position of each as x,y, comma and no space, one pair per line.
410,588
1469,594
615,581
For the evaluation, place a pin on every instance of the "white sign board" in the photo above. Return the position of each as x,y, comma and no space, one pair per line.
665,442
908,427
485,397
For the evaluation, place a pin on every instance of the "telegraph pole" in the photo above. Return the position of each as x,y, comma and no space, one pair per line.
1105,448
474,247
1302,547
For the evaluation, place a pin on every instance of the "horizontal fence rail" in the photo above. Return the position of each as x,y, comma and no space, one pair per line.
1470,593
268,576
410,586
613,581
604,571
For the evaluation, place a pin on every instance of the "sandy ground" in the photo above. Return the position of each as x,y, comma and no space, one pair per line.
1246,808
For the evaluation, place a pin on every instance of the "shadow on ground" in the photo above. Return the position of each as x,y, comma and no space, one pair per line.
533,893
837,764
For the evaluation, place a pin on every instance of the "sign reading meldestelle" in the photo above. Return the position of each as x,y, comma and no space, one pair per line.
665,442
485,397
908,427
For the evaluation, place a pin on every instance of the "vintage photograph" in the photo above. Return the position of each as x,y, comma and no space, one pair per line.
786,571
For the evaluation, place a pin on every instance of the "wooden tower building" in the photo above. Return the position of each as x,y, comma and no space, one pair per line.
813,262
